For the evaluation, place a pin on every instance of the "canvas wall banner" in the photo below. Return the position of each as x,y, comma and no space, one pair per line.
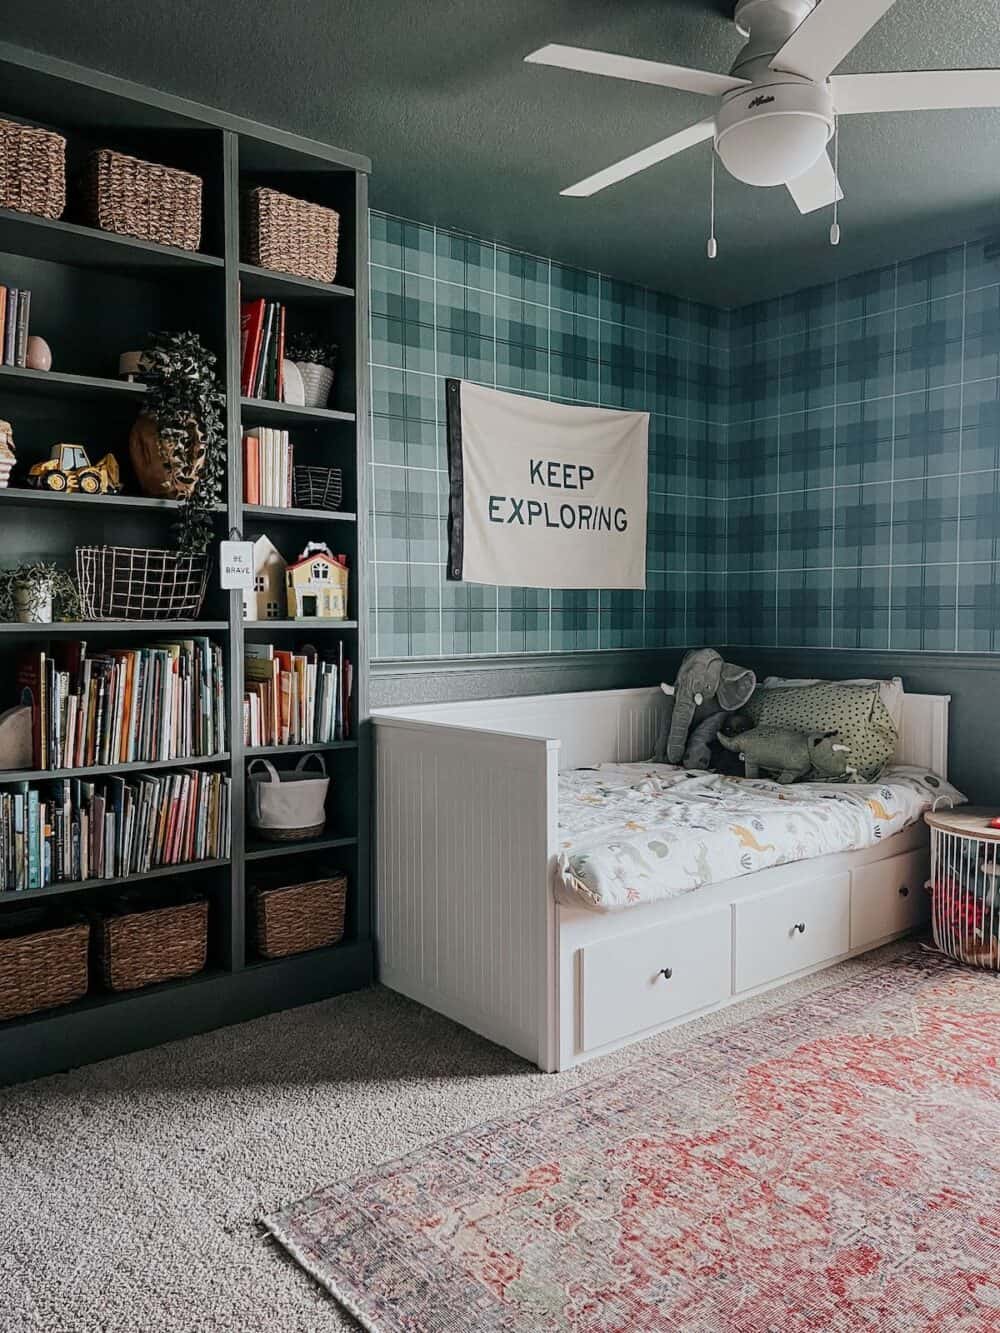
543,495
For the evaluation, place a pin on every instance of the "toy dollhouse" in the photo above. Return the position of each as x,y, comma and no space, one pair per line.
317,585
266,600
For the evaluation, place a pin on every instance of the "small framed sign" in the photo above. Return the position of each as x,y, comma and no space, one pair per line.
236,564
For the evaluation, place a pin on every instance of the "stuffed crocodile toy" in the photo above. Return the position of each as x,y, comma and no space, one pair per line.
789,754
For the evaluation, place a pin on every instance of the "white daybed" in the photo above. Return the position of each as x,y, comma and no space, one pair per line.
466,856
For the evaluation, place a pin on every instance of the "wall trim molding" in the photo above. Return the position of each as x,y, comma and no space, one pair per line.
587,660
883,661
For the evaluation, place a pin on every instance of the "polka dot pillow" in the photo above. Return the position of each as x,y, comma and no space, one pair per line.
857,712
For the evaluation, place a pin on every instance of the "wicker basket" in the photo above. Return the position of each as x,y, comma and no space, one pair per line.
140,583
318,487
290,235
135,198
292,918
43,961
140,946
32,170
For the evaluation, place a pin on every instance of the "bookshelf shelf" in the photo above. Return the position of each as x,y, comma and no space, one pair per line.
137,286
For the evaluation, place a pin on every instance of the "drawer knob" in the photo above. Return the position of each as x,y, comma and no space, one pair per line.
799,926
904,890
666,973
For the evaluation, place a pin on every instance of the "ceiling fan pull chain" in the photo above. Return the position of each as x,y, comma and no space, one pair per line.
835,229
713,244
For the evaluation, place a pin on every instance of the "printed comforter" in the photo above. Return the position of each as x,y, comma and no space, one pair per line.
639,833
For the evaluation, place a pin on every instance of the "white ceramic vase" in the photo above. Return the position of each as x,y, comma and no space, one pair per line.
317,381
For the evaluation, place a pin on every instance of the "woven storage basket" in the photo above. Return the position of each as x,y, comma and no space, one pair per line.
142,946
140,583
142,199
43,962
32,170
290,235
319,487
292,918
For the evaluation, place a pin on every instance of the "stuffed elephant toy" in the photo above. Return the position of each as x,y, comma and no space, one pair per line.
706,690
790,754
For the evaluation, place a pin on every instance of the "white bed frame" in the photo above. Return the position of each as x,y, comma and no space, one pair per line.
467,922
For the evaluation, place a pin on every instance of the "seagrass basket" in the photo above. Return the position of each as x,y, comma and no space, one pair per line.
131,197
318,487
141,946
140,583
32,170
291,918
290,235
43,961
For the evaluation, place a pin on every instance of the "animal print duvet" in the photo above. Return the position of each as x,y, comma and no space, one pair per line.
639,833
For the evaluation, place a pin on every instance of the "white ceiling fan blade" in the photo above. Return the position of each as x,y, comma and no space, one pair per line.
820,42
818,188
646,157
920,90
637,71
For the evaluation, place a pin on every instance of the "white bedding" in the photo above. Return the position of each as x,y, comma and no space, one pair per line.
635,833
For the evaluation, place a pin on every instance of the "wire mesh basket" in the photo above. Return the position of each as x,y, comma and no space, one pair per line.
140,583
965,886
319,487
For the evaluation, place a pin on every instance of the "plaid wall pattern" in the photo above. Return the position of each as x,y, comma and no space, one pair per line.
445,304
864,471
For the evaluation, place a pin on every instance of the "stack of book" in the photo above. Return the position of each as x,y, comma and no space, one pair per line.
267,467
15,308
262,349
74,830
123,705
296,698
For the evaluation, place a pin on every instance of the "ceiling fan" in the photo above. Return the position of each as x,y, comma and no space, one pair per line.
777,109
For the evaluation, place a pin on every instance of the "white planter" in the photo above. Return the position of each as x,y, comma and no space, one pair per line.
317,381
32,607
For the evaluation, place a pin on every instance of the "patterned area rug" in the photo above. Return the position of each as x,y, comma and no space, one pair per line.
833,1163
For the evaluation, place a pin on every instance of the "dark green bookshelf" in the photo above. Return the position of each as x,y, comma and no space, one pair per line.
74,270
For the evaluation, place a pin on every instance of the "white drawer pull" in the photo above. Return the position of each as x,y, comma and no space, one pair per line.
800,927
666,973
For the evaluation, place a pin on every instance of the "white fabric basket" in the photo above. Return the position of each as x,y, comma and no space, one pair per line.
287,805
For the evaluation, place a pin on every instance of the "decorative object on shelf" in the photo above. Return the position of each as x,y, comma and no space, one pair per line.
317,584
287,806
43,961
267,599
289,235
130,367
141,945
291,918
316,360
16,737
7,455
965,885
140,583
293,386
15,318
39,354
318,487
68,468
178,443
131,197
32,170
36,594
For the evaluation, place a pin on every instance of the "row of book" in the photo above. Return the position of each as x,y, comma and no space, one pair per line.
296,698
74,830
267,467
15,309
262,349
123,705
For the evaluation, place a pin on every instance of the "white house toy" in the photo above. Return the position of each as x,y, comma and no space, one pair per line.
317,585
266,600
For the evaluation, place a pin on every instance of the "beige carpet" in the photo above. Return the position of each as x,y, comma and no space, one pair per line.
129,1191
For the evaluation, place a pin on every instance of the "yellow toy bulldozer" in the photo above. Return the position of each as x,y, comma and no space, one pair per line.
69,469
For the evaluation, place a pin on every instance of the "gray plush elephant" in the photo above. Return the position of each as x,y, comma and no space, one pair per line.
706,690
789,754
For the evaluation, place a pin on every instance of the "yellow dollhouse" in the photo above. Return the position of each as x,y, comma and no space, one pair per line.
316,585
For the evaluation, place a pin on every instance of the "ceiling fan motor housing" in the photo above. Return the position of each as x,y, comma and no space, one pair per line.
773,132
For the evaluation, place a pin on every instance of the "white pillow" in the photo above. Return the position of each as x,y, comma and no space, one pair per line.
890,691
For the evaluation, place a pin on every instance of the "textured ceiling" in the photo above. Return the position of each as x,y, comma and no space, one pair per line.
463,134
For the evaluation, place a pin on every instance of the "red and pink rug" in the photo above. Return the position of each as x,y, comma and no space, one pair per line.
830,1164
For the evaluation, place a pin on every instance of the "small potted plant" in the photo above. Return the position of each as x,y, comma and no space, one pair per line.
178,443
316,359
35,594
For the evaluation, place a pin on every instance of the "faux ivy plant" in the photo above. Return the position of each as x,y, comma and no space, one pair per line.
308,348
187,402
37,583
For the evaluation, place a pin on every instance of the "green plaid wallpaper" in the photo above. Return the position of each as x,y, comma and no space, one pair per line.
445,304
864,470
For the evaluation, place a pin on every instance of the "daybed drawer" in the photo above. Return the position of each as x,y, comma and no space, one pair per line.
889,897
790,929
622,986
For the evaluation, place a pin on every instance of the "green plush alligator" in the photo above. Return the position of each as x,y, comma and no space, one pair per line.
790,755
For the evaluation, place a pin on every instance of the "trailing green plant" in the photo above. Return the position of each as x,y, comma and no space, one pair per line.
39,581
308,347
187,401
